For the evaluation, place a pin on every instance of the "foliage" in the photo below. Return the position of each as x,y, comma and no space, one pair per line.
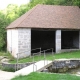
47,76
8,69
13,11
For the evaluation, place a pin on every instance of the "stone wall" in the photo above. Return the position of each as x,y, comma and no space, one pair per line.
19,41
15,66
12,41
61,66
24,42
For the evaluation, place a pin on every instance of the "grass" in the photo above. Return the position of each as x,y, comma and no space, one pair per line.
47,76
6,54
67,55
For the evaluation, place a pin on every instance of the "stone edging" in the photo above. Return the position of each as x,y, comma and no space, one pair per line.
15,66
63,65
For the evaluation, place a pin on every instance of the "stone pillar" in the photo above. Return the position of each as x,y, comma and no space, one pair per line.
58,41
24,42
79,39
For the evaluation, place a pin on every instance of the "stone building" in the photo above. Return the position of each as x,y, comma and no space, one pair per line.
45,26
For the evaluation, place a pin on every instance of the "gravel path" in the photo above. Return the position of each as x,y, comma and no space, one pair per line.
6,75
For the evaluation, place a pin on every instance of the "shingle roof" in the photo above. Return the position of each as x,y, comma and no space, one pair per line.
49,16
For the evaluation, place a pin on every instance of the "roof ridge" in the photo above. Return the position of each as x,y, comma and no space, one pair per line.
29,13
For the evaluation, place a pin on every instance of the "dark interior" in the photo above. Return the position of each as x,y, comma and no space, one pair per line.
42,38
70,39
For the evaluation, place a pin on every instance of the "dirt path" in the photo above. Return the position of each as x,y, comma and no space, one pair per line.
6,75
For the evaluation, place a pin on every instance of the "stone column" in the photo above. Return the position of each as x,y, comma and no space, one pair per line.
79,39
58,41
24,42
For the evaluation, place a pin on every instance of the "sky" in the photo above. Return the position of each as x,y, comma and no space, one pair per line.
5,3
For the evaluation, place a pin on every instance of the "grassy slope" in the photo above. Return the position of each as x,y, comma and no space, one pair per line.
46,76
75,54
7,55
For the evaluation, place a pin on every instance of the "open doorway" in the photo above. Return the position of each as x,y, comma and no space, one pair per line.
70,40
42,38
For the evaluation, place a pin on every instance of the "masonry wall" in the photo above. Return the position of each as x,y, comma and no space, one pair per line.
9,40
24,42
12,41
58,41
19,41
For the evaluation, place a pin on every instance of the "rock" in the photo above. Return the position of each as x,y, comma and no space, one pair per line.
5,60
45,70
1,57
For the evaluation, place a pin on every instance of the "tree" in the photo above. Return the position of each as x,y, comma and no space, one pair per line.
12,12
2,31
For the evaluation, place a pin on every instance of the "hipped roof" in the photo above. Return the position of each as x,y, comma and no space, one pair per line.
49,16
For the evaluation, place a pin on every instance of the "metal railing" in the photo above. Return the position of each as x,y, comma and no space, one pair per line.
18,55
17,59
44,54
36,49
35,54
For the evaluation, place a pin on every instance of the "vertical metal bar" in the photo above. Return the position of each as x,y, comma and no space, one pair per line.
52,55
17,62
40,53
33,62
44,57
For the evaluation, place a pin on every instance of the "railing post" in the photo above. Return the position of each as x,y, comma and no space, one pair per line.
17,61
33,62
40,53
52,53
44,57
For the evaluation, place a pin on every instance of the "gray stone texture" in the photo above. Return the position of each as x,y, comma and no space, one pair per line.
58,41
15,66
64,65
24,42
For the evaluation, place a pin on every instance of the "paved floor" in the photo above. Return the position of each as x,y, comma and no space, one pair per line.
6,75
39,66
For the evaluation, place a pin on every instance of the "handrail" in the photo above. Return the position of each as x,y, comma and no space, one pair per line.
35,49
48,49
45,55
34,63
23,52
31,50
44,51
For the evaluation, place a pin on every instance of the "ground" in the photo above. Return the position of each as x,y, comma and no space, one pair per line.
75,54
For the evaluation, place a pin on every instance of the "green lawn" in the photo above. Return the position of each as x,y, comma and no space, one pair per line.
47,76
67,55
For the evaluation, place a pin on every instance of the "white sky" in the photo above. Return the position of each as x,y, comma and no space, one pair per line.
4,3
